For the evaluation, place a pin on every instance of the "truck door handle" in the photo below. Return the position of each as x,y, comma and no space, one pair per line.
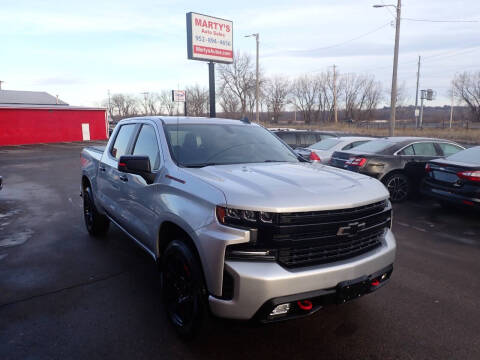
101,168
124,178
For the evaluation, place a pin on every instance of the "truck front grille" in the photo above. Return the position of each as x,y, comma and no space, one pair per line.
329,251
319,237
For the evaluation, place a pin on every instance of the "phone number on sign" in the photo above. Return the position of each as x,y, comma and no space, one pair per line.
210,40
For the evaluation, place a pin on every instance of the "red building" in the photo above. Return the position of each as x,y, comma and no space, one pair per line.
28,117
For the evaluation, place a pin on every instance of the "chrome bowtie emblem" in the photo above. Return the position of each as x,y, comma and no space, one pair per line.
351,229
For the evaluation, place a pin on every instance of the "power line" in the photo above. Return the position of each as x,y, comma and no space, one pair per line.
388,9
441,21
433,57
341,43
353,39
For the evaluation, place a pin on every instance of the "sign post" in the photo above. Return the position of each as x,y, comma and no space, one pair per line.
209,39
211,88
180,96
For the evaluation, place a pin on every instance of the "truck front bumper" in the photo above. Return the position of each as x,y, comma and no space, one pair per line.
257,284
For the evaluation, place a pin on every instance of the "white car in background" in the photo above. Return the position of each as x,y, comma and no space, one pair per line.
322,151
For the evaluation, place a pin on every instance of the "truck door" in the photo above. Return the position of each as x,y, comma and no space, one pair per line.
144,200
110,181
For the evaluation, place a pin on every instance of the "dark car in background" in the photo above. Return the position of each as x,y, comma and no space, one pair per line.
399,162
302,138
455,179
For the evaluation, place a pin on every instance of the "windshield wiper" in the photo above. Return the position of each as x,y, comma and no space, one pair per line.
203,165
276,161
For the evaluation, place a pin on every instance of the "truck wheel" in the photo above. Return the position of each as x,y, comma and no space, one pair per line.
96,223
183,289
398,185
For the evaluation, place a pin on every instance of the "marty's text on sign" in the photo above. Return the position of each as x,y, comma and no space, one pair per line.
209,38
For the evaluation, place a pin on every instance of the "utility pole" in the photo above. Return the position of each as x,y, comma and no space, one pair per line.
416,94
335,115
257,95
393,98
422,97
451,109
257,89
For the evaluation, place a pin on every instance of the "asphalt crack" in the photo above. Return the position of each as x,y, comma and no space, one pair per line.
71,287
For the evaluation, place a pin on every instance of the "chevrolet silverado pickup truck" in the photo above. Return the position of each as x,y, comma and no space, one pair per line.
240,226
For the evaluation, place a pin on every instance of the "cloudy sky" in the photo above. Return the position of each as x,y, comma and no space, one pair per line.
80,49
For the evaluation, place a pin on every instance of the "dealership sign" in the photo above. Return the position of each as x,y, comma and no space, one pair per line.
209,38
179,95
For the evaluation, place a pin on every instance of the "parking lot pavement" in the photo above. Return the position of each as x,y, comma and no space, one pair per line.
65,295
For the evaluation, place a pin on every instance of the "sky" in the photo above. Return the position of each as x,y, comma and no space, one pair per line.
81,49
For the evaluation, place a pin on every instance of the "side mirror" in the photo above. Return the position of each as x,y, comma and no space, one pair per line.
138,165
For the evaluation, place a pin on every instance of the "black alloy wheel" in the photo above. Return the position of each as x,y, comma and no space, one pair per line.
183,289
97,224
398,185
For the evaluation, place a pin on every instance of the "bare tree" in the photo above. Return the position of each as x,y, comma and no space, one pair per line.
124,105
466,87
372,96
361,95
402,95
197,100
368,97
166,104
352,85
276,92
304,97
238,79
229,103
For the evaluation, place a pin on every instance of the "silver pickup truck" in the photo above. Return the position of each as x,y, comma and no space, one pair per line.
240,226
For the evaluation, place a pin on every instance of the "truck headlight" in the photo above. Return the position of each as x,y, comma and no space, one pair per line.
244,218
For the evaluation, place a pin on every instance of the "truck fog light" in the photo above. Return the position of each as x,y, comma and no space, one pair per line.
266,217
280,309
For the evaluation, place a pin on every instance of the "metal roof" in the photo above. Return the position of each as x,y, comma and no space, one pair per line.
49,107
15,97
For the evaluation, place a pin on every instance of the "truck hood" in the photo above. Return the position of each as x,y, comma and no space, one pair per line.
291,187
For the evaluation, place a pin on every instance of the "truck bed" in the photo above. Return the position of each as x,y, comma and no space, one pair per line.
98,149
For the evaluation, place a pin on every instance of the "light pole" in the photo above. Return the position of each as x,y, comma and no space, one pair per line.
257,90
393,99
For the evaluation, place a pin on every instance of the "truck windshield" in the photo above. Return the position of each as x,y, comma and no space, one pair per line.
198,145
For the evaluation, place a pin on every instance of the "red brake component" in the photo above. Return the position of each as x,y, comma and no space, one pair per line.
187,269
375,282
305,305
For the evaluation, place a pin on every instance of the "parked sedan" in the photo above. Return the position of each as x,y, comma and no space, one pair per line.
399,162
302,138
322,151
455,179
